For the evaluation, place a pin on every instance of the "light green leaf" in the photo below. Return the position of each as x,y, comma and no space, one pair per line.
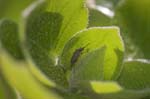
92,39
20,77
64,18
90,67
48,27
6,91
133,17
110,90
105,87
98,89
135,75
75,18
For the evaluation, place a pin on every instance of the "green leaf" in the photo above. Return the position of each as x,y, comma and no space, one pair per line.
9,38
10,41
70,95
19,71
135,75
110,90
64,17
20,77
41,30
90,67
133,17
48,27
12,9
105,87
75,18
97,18
92,39
126,94
6,91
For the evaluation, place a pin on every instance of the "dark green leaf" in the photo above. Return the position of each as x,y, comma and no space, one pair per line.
11,43
133,17
97,18
9,38
135,75
41,30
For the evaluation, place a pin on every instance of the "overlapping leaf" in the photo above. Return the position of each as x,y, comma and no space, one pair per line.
6,91
90,67
20,73
48,27
135,75
9,39
92,54
94,38
75,18
110,90
64,18
20,77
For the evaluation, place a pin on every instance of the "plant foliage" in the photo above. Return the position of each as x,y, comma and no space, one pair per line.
61,49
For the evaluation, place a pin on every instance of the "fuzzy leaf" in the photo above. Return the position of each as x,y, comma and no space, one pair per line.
47,30
10,42
55,22
90,67
92,39
75,18
41,30
9,38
